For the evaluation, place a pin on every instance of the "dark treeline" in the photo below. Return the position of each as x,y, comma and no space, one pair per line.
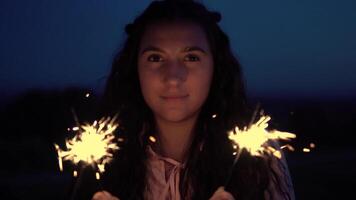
32,122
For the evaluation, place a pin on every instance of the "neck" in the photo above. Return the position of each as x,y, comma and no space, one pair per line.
175,138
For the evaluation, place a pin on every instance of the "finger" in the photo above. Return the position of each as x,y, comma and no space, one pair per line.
216,193
110,196
221,194
99,196
226,196
104,195
219,190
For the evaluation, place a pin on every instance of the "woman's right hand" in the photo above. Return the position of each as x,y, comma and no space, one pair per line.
104,195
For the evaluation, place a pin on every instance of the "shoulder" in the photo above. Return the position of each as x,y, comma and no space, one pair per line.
280,184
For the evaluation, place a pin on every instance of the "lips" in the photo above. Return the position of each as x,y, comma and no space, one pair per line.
174,97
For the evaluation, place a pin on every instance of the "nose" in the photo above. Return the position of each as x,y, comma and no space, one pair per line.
175,72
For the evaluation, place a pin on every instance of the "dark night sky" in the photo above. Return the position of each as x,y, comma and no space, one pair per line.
292,48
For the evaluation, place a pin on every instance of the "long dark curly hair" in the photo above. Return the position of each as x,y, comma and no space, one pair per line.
210,154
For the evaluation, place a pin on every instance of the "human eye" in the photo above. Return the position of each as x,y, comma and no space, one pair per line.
154,58
192,58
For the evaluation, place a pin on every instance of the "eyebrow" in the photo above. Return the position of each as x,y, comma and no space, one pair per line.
186,49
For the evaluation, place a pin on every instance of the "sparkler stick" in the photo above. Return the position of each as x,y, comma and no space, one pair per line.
254,140
240,150
75,117
76,185
92,146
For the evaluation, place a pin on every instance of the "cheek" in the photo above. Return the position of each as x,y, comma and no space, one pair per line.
202,85
147,84
206,78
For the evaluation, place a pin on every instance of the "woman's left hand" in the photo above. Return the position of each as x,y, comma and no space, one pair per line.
221,194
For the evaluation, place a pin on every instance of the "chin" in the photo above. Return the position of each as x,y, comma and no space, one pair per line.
176,117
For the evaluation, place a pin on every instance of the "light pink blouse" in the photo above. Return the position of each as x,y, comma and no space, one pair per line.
162,177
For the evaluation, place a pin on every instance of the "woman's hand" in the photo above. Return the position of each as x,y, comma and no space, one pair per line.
221,194
104,195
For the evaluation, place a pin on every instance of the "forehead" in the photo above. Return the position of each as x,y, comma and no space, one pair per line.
174,34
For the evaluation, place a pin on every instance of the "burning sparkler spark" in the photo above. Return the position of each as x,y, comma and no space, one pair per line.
254,139
312,145
306,150
289,147
93,145
152,139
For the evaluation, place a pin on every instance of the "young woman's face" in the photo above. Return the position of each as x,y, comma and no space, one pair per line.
175,68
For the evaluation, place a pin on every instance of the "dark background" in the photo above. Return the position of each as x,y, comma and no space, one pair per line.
299,60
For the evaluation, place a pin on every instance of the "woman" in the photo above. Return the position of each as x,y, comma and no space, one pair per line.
178,90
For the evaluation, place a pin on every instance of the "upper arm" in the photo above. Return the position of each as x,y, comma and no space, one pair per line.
280,184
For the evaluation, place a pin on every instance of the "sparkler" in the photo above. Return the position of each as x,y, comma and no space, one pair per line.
254,139
93,146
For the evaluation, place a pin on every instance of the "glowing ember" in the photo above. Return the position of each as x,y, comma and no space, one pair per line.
289,147
87,95
59,152
214,116
152,139
312,145
255,138
93,145
306,150
97,175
